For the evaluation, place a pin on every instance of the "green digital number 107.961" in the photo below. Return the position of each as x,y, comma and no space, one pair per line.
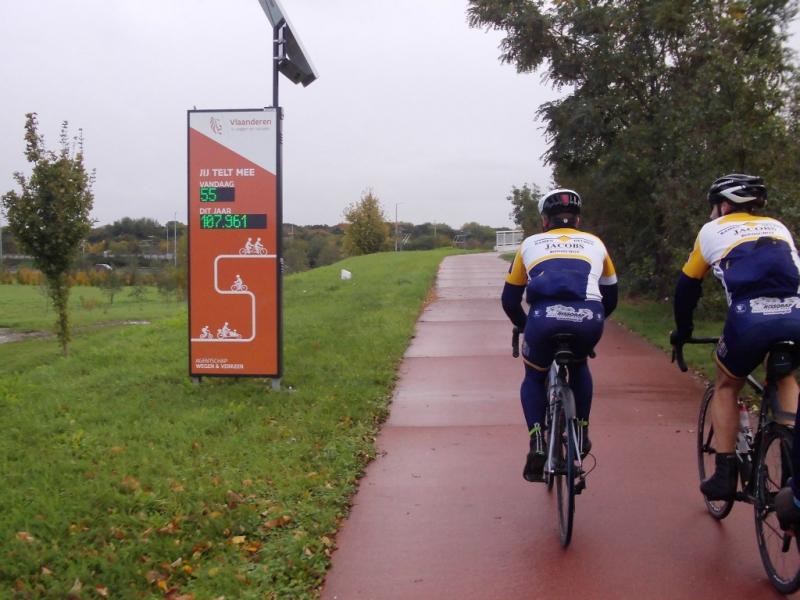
234,221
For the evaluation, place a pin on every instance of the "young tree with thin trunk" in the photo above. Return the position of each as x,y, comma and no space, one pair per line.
50,217
368,231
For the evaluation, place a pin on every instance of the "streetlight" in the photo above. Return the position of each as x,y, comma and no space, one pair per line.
395,225
175,239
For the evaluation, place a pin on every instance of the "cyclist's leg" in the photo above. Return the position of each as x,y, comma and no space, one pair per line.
725,417
740,349
588,332
537,354
787,394
533,396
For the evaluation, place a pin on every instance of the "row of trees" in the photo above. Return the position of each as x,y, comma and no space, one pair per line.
367,230
126,236
663,97
49,220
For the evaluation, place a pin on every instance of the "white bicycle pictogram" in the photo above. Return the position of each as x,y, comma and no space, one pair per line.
238,285
206,334
227,333
251,248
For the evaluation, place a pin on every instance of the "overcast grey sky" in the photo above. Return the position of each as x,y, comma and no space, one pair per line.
410,102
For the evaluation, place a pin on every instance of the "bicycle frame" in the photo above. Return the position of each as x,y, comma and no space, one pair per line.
558,384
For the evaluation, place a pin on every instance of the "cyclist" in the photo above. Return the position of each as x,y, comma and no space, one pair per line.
756,260
571,286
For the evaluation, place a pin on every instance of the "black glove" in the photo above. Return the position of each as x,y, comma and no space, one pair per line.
678,337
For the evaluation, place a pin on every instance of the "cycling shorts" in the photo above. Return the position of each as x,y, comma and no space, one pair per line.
547,318
752,327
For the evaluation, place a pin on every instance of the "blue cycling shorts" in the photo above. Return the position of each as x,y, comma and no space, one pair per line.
752,327
546,318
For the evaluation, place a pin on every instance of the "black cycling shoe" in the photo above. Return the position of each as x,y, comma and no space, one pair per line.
787,510
534,467
721,486
534,464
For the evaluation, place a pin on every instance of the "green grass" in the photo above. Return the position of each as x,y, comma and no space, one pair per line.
654,320
123,477
25,308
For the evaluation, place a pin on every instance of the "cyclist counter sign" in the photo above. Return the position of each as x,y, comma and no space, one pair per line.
234,275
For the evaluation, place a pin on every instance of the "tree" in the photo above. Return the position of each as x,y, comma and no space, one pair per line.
525,207
50,217
664,97
368,231
111,284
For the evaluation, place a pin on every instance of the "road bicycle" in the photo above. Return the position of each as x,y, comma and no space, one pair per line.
564,466
764,461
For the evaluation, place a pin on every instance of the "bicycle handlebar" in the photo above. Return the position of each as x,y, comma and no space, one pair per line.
677,351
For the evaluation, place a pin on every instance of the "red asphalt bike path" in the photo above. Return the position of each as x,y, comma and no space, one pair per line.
444,513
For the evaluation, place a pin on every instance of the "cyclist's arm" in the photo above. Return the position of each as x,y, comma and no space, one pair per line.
687,294
609,289
689,289
512,304
516,281
610,295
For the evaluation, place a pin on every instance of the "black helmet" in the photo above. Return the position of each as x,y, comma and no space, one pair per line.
560,201
738,189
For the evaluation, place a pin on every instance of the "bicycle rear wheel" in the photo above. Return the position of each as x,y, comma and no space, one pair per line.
707,453
565,475
779,551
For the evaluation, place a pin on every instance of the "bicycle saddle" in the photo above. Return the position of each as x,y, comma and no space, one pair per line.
563,346
783,358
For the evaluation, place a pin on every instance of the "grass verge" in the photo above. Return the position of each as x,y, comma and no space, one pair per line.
654,320
122,479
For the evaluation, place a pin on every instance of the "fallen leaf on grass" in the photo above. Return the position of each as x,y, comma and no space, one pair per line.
116,450
233,498
26,537
279,522
101,591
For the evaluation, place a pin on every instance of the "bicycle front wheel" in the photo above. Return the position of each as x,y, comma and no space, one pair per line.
707,455
565,475
779,551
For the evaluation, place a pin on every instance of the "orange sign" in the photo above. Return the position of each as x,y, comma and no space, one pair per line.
234,232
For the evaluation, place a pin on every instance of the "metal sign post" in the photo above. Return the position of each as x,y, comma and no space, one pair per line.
235,217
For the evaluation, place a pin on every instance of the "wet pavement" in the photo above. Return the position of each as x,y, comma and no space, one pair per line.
443,513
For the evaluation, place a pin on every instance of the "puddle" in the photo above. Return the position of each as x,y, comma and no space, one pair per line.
10,335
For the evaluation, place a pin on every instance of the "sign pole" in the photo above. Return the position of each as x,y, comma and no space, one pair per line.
277,51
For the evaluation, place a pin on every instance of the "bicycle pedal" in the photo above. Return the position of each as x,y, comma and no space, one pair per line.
580,485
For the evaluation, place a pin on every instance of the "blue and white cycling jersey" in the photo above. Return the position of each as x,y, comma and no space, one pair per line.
734,247
564,264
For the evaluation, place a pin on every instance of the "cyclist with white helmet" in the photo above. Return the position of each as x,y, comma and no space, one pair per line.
570,284
757,262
